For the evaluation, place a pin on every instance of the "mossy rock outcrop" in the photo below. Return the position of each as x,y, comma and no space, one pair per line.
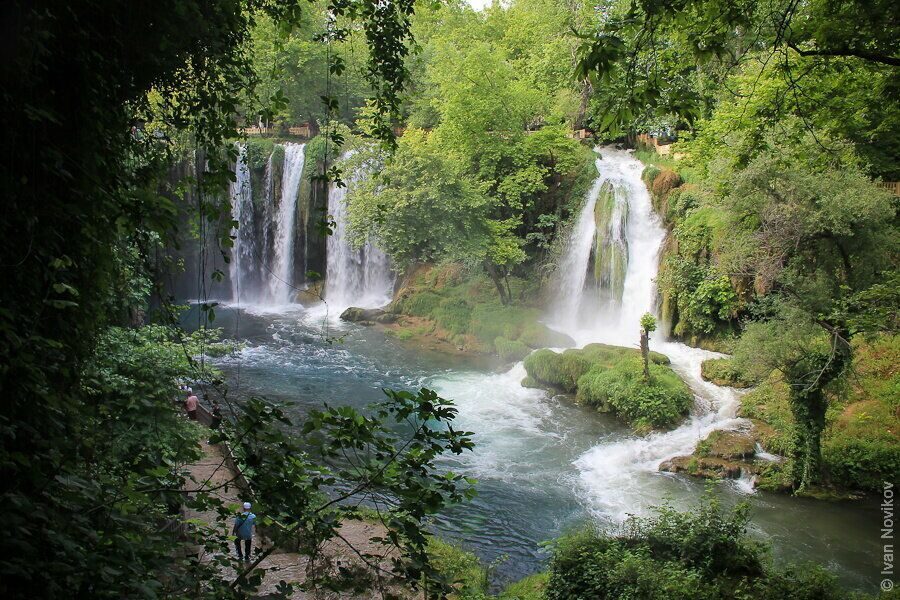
610,379
366,316
463,308
721,371
722,455
561,370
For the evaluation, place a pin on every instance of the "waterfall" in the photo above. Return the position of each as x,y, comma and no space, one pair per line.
607,271
354,276
262,264
281,288
242,271
606,282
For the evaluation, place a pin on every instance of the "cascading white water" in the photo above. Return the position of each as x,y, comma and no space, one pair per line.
579,310
262,265
281,289
241,267
354,276
619,476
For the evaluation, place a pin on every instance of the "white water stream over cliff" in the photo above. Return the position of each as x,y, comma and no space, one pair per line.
543,463
355,276
262,265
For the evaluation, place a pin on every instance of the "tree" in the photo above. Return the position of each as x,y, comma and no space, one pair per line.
648,326
818,61
820,241
97,97
418,204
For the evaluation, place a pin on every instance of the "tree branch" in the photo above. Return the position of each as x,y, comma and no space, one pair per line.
868,56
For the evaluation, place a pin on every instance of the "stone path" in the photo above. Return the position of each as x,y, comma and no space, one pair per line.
212,471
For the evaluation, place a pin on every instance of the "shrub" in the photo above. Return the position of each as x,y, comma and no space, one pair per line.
861,463
622,390
721,371
706,554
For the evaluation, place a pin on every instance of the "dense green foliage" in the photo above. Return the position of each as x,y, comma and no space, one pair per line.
477,173
704,554
611,378
99,98
562,370
622,389
860,448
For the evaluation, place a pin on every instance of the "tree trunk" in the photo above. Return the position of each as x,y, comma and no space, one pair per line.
807,379
645,354
494,274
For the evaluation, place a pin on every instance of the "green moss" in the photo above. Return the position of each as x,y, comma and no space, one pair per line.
621,389
558,370
650,173
530,382
420,305
538,335
512,350
610,378
532,587
611,254
721,371
453,314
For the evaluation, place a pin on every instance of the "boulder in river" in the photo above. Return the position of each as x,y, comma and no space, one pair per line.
367,316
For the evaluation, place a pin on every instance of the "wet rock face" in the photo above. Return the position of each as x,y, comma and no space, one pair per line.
730,445
722,455
368,316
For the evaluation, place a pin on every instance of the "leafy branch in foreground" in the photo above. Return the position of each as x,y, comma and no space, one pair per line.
306,485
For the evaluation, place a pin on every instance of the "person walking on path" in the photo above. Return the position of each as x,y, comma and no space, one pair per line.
243,531
216,416
191,406
216,419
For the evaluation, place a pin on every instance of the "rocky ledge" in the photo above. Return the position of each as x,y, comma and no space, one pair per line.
368,316
722,455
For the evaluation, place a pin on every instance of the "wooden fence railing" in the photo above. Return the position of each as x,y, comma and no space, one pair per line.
893,186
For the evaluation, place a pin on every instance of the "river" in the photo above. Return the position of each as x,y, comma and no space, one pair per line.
544,464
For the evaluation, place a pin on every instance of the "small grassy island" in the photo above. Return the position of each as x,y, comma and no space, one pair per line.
610,378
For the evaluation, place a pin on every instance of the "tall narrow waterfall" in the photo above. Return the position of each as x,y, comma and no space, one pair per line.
607,272
262,264
354,276
281,288
242,268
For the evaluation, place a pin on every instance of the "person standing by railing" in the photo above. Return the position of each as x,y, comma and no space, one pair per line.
190,405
